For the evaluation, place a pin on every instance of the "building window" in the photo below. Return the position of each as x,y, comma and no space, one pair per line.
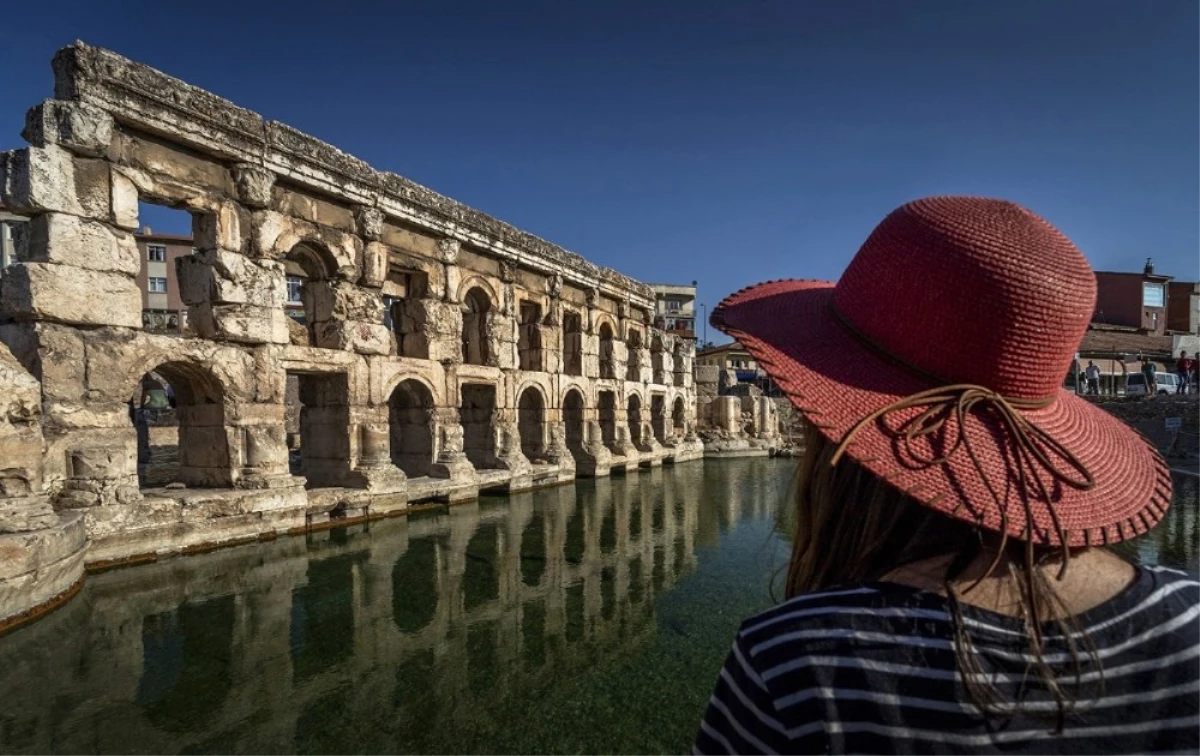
1152,295
294,284
674,305
156,253
157,286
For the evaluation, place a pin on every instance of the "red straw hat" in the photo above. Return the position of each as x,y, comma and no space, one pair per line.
937,363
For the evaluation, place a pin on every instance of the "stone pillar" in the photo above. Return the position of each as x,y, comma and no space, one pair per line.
375,471
265,456
506,324
77,249
451,460
44,550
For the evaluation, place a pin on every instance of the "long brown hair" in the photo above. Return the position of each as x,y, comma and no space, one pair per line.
851,527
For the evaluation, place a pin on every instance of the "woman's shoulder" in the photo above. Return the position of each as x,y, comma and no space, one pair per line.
847,614
887,613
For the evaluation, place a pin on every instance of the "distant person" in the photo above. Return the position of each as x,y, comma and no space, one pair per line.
1093,378
950,588
1183,370
1150,376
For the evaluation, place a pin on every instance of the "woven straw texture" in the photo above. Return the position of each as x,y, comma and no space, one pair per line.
957,290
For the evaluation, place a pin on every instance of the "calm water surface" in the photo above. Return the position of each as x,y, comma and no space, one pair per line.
590,618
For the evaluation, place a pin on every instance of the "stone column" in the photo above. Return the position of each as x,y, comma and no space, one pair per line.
451,461
375,471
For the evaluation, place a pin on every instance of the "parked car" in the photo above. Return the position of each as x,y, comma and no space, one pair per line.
1135,384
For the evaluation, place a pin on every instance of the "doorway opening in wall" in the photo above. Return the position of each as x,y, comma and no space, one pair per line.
477,415
607,366
658,417
476,307
572,343
679,417
318,424
573,418
164,236
403,312
633,365
411,428
606,411
529,340
178,414
531,424
634,418
308,270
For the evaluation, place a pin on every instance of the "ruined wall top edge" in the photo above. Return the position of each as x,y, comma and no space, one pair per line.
146,98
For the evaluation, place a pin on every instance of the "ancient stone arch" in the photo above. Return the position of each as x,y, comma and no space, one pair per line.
531,421
412,427
197,399
574,410
477,311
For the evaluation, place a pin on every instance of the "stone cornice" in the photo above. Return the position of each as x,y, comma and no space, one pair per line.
147,99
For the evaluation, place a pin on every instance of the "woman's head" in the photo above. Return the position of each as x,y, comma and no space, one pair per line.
936,364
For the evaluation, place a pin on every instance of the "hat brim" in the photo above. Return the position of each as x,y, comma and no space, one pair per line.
835,381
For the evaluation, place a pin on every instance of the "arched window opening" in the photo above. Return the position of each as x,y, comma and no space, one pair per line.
573,418
529,341
307,270
679,417
403,312
411,428
177,410
607,366
531,414
476,307
572,343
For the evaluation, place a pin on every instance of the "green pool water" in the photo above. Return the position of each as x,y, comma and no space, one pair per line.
589,618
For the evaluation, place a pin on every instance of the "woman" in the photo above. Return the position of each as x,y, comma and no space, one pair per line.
948,590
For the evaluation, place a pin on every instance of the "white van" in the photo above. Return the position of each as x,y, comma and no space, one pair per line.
1135,384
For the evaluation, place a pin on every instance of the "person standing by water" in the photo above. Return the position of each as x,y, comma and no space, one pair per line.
1093,378
1150,376
947,590
1184,367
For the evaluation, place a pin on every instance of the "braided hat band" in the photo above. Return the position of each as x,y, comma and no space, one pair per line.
964,426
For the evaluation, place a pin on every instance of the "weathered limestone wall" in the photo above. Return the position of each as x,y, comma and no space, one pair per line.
411,302
736,420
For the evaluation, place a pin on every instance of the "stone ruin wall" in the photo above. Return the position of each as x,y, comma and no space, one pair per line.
736,420
435,339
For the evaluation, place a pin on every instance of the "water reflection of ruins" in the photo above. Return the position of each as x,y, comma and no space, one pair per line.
382,635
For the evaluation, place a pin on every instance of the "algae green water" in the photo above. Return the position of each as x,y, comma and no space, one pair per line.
590,618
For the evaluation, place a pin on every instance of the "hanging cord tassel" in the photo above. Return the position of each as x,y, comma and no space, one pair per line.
1035,453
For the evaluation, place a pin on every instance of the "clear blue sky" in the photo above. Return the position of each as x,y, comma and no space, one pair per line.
727,142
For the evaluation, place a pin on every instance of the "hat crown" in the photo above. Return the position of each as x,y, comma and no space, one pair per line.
972,290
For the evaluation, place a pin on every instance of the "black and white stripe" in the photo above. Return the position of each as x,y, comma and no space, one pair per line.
872,669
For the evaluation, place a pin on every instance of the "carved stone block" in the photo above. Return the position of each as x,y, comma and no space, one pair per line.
77,126
254,185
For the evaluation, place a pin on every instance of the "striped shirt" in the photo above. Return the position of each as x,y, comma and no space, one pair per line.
871,669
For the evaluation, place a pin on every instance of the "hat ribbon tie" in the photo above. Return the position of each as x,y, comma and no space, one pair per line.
1036,454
